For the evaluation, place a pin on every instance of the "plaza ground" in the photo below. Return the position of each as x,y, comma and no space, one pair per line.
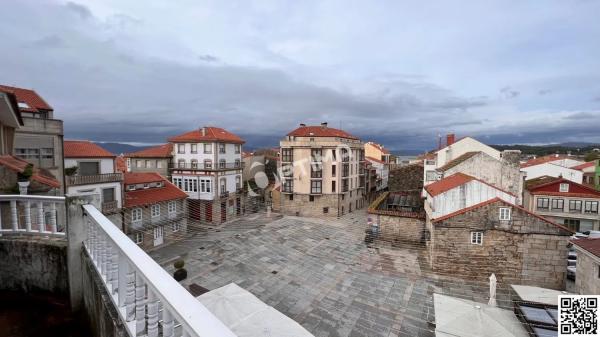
320,273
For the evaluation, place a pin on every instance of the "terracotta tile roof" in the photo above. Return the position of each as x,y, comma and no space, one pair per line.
458,160
448,183
161,151
131,178
121,164
545,159
29,97
211,134
18,165
584,165
575,189
320,131
375,160
494,200
153,195
379,147
84,149
590,245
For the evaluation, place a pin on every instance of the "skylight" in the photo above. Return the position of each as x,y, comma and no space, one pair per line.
23,105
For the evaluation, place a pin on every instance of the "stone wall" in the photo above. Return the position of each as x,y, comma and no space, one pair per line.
406,178
397,228
31,264
586,280
525,250
336,206
99,308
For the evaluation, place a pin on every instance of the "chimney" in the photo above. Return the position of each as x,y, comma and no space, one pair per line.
449,139
203,131
324,124
302,125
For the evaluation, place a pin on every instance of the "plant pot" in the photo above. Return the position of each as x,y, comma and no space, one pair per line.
23,186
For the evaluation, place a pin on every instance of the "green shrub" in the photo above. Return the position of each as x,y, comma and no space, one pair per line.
179,264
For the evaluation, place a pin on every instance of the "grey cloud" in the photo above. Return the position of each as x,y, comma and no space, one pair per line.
583,115
79,9
50,41
508,92
544,92
208,58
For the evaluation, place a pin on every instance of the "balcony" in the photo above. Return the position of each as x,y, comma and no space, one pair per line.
110,207
41,125
206,167
30,214
93,179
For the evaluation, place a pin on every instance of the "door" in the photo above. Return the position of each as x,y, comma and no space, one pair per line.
223,211
158,235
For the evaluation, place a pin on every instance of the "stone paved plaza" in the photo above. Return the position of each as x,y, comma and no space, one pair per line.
320,273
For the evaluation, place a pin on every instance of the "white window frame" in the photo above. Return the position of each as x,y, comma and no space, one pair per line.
138,238
181,148
194,148
477,238
136,215
175,227
207,148
238,148
172,207
222,148
155,211
563,187
504,213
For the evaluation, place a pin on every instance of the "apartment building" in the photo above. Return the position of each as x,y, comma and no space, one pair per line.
39,138
91,170
154,159
574,205
382,171
154,210
322,172
377,151
207,165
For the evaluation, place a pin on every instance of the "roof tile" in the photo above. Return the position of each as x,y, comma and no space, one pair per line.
320,131
84,149
211,134
28,96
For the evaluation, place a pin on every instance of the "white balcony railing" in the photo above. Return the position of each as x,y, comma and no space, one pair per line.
32,214
149,301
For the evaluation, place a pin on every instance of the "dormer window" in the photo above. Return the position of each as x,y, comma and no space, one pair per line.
564,187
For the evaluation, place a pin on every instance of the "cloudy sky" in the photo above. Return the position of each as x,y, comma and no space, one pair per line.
397,72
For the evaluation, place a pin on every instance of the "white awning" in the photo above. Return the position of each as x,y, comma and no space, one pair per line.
248,316
464,318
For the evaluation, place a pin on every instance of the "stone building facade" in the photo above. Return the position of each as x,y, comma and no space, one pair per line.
501,238
406,178
399,216
587,278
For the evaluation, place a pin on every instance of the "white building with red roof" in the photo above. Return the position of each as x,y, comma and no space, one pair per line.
91,171
207,165
154,210
574,205
322,171
153,159
382,171
555,165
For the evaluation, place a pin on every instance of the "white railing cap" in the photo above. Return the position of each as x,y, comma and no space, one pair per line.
24,197
184,307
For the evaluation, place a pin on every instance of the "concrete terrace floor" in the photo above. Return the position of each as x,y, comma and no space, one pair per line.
320,273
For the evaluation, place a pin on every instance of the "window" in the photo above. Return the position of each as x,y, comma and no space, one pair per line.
176,227
237,163
148,164
177,182
333,154
223,185
172,207
155,210
291,197
221,148
238,182
108,194
205,185
207,148
138,238
311,198
504,213
315,186
207,163
476,238
572,224
222,163
345,170
574,205
194,148
287,170
333,170
47,153
180,148
542,203
181,163
430,162
238,149
344,185
333,187
316,170
591,207
344,154
325,210
136,214
194,163
138,163
316,155
287,155
558,204
430,175
288,185
159,164
89,168
564,187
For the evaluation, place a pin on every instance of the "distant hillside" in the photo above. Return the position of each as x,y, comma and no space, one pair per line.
118,148
542,150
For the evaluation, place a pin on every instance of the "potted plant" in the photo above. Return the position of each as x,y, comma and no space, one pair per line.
180,273
23,178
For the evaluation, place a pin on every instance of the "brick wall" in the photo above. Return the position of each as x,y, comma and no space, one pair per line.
525,250
406,178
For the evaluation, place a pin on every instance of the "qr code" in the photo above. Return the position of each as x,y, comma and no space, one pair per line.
578,316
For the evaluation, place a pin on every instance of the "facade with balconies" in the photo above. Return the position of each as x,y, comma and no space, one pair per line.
573,205
90,170
207,165
321,172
